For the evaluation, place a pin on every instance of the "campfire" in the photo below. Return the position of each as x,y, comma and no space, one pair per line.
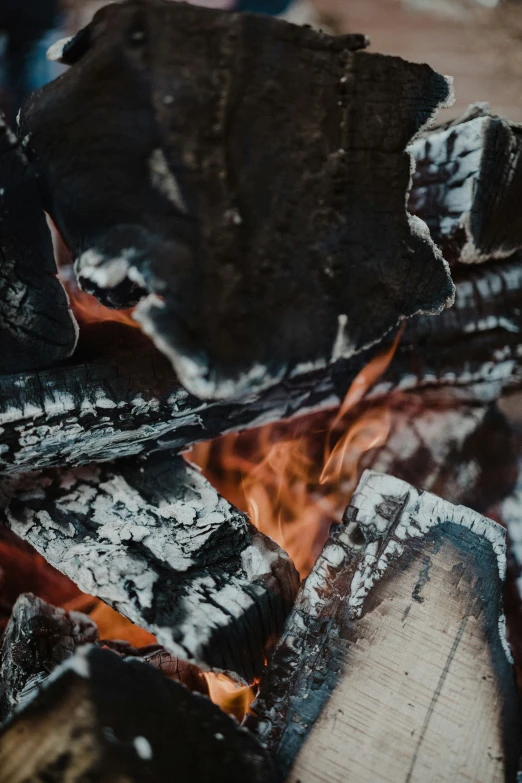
259,441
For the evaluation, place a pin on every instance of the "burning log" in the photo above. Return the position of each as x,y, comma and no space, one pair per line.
131,401
154,540
37,639
37,328
186,209
396,650
101,718
467,186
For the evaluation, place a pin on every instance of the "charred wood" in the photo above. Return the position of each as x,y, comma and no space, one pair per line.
130,401
100,719
398,632
250,260
156,542
38,638
37,328
467,186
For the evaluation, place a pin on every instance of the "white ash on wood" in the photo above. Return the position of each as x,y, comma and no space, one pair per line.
394,663
467,186
253,244
154,540
101,719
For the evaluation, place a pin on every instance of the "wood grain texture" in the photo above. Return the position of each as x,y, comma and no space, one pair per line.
394,664
155,541
252,242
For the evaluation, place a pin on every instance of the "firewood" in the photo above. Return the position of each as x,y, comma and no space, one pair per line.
100,719
394,663
156,542
37,639
37,328
129,401
254,243
467,186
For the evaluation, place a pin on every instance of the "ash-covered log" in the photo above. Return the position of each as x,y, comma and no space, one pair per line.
130,401
37,639
394,663
467,186
102,719
254,244
37,328
155,541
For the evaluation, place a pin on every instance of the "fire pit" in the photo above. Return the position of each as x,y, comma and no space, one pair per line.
252,442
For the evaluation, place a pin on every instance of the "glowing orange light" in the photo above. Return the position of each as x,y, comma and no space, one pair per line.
232,698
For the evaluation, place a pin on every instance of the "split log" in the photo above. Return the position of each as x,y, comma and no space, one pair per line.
157,543
394,663
130,401
467,186
37,328
102,719
38,638
212,208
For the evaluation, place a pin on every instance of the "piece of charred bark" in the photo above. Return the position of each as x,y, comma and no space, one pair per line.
467,186
394,663
253,244
130,401
156,542
100,719
38,638
37,328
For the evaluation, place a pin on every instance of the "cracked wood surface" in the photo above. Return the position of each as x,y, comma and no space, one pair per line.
101,719
250,261
394,663
155,541
37,328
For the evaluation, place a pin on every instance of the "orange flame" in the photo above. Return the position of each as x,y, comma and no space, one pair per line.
232,698
88,310
295,478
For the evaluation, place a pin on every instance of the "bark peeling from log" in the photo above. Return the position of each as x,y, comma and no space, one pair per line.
154,540
250,261
393,535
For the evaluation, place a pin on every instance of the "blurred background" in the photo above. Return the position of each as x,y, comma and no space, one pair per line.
479,42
